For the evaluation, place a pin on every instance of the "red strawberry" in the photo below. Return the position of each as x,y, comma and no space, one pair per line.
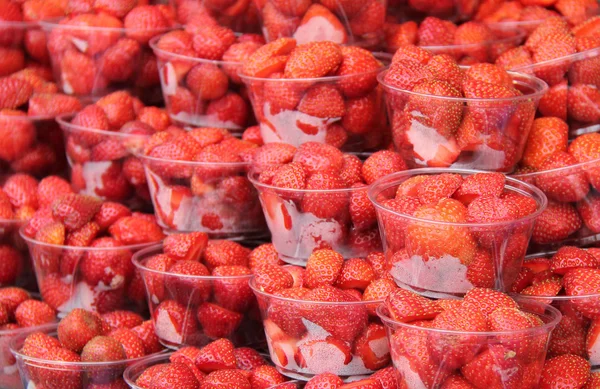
217,355
50,188
272,278
207,81
265,376
269,58
356,273
178,374
547,136
12,296
218,322
406,306
323,267
436,32
32,313
136,230
569,257
322,101
63,378
15,92
78,328
594,381
248,359
265,253
568,370
588,210
324,57
118,107
228,378
319,158
109,213
564,185
582,282
185,246
143,22
225,252
445,68
145,332
54,291
479,184
485,370
406,73
556,223
372,347
174,322
380,164
356,60
121,319
488,300
131,343
110,266
211,42
322,202
103,349
185,282
75,210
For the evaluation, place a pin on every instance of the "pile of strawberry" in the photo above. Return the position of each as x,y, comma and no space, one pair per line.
319,320
18,312
341,99
427,356
103,45
433,126
101,278
568,173
20,196
469,43
573,80
100,342
315,196
341,22
197,90
382,379
197,181
198,290
218,365
569,273
21,38
30,140
239,15
453,259
100,142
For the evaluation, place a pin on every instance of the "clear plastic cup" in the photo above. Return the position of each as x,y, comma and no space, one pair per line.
64,287
20,272
306,338
524,25
295,233
491,134
443,259
193,100
579,194
52,374
195,310
276,106
82,60
202,196
425,357
573,94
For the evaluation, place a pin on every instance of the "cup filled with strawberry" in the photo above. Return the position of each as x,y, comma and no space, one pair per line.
198,182
20,197
216,365
316,91
447,231
569,279
20,312
85,350
385,378
444,115
322,318
100,47
486,339
568,59
239,15
315,196
81,250
568,172
468,43
199,69
100,141
198,291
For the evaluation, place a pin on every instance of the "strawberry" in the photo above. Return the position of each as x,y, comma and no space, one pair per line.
118,107
484,370
318,158
323,267
176,373
582,102
272,278
229,108
556,223
406,73
436,32
185,282
155,117
60,378
218,322
362,211
269,58
445,68
52,104
547,136
382,163
487,300
366,383
315,59
185,246
173,322
121,319
227,378
11,297
361,114
265,376
548,287
356,273
324,380
54,291
273,154
406,306
489,73
18,136
594,381
436,187
111,266
32,313
474,34
207,81
479,184
217,355
265,253
374,358
135,230
132,345
248,359
77,328
322,202
389,379
564,185
580,282
569,257
15,92
569,337
109,213
569,370
231,293
211,42
102,349
554,102
456,381
322,101
50,188
145,332
318,24
356,60
75,210
225,252
143,22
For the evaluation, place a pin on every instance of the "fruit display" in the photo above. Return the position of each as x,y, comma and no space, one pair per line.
238,15
100,141
85,350
315,196
568,279
443,115
314,91
567,172
486,339
322,319
102,47
199,69
568,59
198,182
198,291
448,231
469,43
81,249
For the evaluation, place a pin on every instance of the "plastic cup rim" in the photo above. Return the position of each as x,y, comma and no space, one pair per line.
158,51
63,122
52,24
145,157
579,165
164,355
392,180
36,118
519,35
252,177
586,54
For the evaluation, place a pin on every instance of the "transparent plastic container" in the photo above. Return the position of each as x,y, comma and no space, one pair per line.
81,58
195,310
36,372
425,357
441,259
306,338
276,103
491,134
193,100
97,159
573,94
58,270
580,182
296,232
